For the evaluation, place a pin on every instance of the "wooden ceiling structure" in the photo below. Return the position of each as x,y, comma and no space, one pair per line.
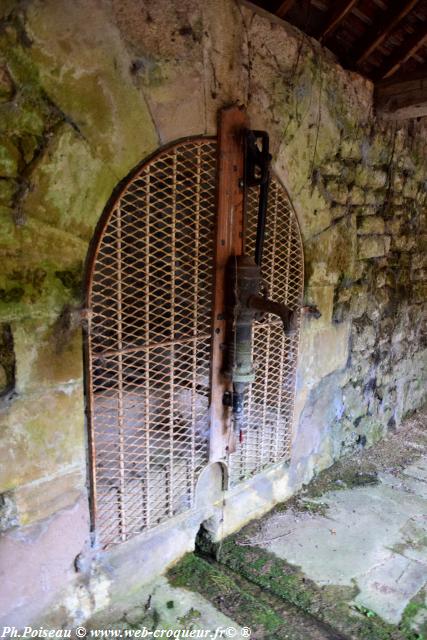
384,40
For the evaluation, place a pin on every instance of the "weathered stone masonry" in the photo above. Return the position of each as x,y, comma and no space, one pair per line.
87,90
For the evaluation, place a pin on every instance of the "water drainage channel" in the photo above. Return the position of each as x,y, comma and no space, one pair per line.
297,623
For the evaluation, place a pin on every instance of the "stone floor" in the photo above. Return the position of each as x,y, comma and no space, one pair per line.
345,558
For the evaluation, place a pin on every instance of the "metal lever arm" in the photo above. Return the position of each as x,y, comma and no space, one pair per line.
264,305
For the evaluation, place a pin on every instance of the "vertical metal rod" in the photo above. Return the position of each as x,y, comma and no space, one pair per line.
120,416
147,351
268,338
172,348
249,395
91,421
282,345
288,259
195,321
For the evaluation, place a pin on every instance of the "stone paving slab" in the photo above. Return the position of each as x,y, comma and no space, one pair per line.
159,605
352,543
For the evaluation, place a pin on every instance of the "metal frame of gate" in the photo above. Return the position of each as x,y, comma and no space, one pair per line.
150,294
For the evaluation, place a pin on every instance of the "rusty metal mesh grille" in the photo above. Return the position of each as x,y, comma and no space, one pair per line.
269,403
149,342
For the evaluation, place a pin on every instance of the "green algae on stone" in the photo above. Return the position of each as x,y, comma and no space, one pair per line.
92,86
198,575
69,186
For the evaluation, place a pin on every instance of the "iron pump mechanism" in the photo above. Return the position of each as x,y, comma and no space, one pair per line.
246,292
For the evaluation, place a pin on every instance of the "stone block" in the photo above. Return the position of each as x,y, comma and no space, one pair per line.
42,435
39,563
371,225
398,181
372,198
332,168
359,300
394,226
404,243
34,254
351,149
93,86
410,188
48,353
366,176
419,275
356,196
42,498
419,261
321,352
337,192
323,298
332,253
70,185
373,246
397,201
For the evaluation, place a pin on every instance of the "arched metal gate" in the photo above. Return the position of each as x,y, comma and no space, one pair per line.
150,291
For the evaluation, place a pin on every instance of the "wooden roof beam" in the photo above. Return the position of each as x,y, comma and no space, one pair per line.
394,62
385,29
337,15
284,7
402,98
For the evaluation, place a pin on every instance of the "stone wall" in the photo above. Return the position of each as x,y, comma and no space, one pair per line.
87,90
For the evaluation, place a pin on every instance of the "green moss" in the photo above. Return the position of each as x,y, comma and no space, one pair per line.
223,592
410,624
31,112
14,294
331,605
72,279
191,616
262,568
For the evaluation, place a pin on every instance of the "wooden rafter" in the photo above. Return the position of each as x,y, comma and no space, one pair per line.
341,9
385,30
284,7
395,61
402,98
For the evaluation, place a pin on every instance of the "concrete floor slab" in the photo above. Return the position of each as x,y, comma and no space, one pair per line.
373,536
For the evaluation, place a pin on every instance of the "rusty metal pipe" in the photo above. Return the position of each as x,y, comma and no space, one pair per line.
264,305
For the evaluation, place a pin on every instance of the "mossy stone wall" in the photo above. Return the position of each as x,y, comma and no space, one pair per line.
87,90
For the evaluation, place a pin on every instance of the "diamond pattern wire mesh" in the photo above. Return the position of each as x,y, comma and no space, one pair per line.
269,402
149,342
